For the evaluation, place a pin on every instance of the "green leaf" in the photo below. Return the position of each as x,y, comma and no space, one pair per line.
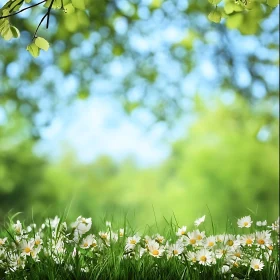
69,9
273,3
214,2
57,4
15,32
83,94
4,23
42,43
215,16
6,32
79,4
33,49
229,7
234,21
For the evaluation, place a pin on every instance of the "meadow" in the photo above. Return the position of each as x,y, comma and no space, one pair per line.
57,250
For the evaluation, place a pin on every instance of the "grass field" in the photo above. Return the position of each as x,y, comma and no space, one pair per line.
55,250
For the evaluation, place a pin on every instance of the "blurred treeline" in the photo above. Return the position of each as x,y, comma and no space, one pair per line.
227,162
153,56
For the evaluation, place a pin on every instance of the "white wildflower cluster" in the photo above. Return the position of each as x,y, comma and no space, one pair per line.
54,241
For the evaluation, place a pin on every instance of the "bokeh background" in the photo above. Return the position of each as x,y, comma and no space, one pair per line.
142,109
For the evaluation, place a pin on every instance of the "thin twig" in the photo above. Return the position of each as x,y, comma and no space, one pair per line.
48,13
41,21
10,15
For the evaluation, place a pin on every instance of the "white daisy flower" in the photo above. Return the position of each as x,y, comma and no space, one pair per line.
200,235
210,241
155,249
26,247
159,238
191,238
256,264
199,221
261,223
244,222
3,241
87,241
182,231
81,225
175,249
53,222
275,226
225,269
37,240
18,227
121,232
247,240
263,239
132,241
204,257
191,256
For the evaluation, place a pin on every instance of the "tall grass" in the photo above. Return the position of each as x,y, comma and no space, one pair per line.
55,250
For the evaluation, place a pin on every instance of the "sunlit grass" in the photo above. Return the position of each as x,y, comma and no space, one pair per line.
55,250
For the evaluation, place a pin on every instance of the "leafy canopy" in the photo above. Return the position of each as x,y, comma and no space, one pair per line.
239,14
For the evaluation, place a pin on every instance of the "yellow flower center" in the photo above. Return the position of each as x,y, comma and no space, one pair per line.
1,242
230,243
194,259
85,244
246,224
103,236
133,241
235,264
155,252
249,241
261,241
256,266
210,244
37,242
192,241
27,250
237,254
270,247
203,258
175,252
199,237
183,232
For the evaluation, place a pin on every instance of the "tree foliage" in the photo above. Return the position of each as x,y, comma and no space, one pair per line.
134,41
227,160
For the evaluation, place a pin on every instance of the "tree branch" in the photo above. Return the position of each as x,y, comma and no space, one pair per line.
10,15
47,14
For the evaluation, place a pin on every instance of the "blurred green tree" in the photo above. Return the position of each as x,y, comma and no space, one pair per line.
227,161
142,36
